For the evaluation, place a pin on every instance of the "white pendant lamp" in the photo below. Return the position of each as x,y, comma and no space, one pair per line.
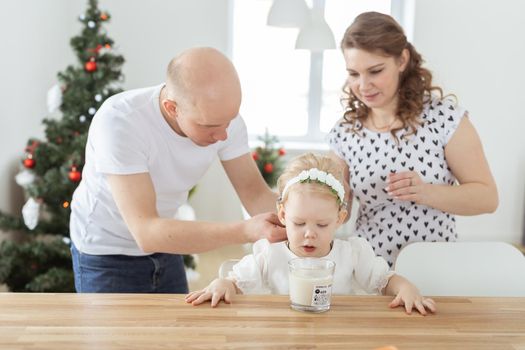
288,14
315,35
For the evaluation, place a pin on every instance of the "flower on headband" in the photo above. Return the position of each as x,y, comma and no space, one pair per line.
319,176
303,175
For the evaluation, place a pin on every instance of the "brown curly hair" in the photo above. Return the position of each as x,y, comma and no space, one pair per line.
377,32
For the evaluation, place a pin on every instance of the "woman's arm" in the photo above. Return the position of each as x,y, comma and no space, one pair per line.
476,193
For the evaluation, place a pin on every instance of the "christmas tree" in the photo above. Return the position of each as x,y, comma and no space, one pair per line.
52,167
268,158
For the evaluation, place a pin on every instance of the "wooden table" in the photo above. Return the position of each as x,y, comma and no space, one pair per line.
139,321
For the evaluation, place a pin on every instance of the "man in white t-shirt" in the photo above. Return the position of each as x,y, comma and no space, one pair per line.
146,149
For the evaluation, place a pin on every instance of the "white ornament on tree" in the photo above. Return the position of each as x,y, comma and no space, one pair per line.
185,212
104,51
54,98
30,212
25,178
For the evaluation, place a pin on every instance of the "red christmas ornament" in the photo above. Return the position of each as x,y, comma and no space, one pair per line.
29,163
74,174
103,16
91,66
282,152
255,156
268,168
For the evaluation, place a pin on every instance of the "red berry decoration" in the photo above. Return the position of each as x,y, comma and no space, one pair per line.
255,156
32,147
282,152
29,163
268,168
74,174
91,66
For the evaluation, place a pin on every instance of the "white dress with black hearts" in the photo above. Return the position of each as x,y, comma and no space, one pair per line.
387,223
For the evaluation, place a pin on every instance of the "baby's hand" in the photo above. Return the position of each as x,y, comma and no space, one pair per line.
410,297
219,289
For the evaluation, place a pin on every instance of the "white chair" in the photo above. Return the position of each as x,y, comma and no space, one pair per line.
226,267
463,268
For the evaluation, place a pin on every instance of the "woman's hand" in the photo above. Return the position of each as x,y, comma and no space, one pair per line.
219,289
407,295
407,186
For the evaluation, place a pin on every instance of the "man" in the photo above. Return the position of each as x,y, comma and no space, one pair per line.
146,149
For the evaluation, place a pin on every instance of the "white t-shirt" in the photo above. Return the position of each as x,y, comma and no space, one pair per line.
129,135
265,271
390,224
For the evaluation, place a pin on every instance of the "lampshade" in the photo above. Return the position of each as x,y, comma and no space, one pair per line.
288,13
316,35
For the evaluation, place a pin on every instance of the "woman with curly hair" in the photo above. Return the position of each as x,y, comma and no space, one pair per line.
412,158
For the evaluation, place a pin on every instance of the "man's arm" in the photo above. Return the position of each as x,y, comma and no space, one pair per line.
136,201
251,188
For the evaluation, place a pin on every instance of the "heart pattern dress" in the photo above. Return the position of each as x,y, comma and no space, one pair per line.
387,223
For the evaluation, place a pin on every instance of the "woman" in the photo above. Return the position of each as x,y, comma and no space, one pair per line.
412,158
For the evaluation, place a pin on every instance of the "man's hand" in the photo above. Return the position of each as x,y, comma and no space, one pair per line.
265,225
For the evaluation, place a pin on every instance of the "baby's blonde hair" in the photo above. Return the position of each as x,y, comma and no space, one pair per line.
305,162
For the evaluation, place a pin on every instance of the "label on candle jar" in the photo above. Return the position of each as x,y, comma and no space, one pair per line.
310,289
321,295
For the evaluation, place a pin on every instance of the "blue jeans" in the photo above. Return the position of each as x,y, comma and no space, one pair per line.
156,273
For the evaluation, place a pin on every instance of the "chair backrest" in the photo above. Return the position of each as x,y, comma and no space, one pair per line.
463,268
226,267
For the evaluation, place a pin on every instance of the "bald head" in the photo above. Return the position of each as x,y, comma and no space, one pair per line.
202,76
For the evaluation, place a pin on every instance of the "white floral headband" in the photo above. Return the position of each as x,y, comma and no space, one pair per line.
319,176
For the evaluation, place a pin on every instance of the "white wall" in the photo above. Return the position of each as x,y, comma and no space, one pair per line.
474,49
477,51
35,45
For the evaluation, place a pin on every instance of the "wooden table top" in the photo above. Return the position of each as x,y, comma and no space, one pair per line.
147,321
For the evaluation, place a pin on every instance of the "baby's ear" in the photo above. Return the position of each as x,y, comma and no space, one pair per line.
280,212
342,215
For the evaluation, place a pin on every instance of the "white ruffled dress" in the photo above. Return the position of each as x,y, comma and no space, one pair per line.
265,271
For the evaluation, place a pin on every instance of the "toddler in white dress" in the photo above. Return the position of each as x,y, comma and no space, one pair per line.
312,207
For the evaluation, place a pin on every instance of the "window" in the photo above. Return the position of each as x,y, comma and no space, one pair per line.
294,93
